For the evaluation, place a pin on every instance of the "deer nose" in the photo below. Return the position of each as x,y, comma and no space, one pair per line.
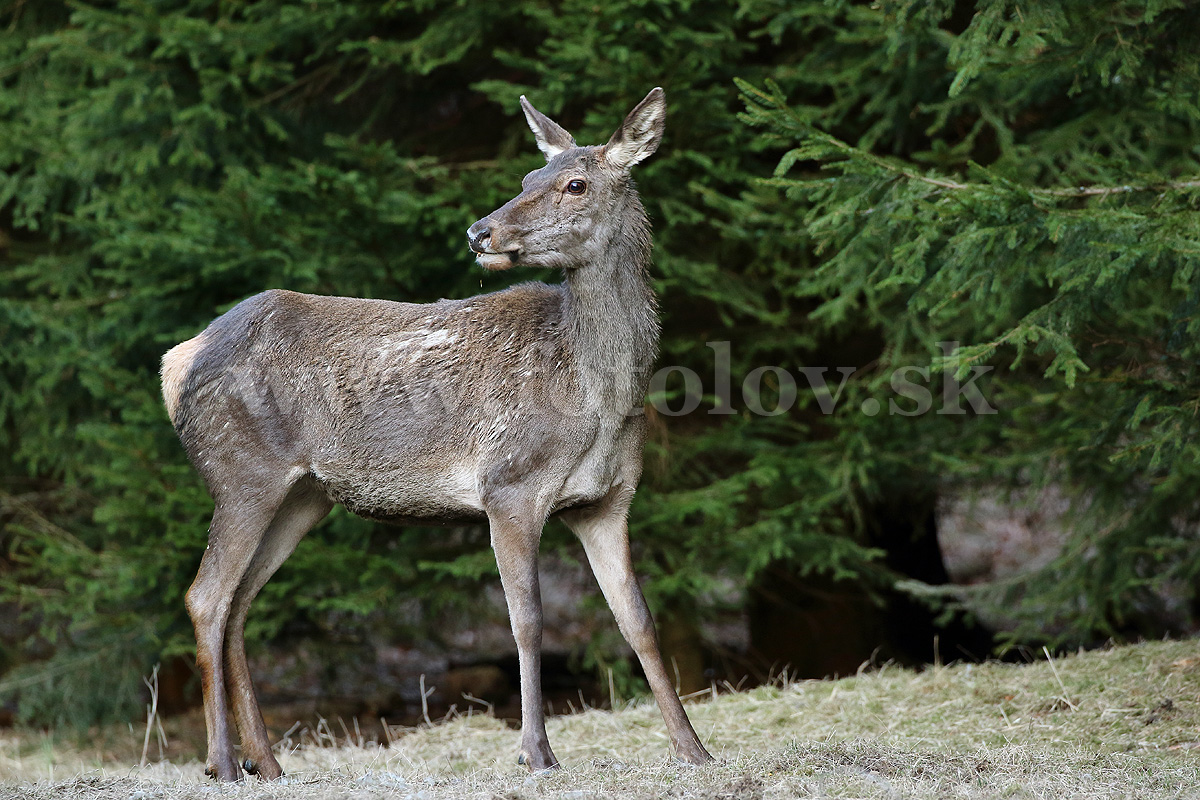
479,235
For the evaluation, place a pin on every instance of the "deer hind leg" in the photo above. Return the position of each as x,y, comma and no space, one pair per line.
233,539
515,539
303,508
605,537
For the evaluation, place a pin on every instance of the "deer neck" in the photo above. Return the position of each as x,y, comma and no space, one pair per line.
612,315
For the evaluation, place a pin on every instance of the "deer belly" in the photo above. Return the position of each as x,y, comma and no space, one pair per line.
449,494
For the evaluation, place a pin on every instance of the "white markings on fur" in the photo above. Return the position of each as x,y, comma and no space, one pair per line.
175,365
460,483
438,338
418,342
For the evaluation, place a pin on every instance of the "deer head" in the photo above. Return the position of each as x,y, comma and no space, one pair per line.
568,210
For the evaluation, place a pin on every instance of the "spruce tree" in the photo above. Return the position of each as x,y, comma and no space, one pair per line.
1017,178
1026,185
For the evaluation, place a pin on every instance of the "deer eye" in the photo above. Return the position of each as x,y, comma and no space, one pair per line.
577,186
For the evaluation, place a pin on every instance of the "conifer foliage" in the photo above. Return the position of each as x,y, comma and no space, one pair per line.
1021,179
1036,204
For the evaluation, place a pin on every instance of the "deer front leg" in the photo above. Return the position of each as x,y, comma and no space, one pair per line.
515,540
605,537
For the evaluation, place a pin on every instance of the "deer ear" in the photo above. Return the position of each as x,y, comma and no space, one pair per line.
640,133
552,139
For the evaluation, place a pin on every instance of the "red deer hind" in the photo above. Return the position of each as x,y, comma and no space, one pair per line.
508,408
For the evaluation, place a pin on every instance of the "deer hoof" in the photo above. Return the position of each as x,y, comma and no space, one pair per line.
225,776
692,754
250,767
537,766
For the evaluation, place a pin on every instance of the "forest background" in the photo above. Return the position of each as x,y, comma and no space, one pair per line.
841,184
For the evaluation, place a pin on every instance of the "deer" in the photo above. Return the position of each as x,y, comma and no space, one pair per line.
506,408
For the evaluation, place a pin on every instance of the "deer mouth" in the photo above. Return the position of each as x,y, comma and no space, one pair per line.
496,259
482,242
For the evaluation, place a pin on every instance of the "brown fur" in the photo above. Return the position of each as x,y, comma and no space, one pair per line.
506,408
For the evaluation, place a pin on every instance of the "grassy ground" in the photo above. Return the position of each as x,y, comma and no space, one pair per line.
1122,723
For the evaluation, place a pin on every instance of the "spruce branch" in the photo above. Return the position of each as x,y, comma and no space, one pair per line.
770,108
905,170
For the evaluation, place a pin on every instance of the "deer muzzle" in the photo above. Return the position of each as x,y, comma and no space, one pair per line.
484,245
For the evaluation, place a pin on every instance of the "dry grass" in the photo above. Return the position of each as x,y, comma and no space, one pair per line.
1110,724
